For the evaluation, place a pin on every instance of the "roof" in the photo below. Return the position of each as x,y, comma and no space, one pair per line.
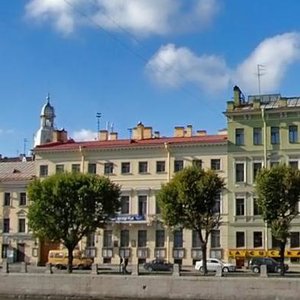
17,170
130,143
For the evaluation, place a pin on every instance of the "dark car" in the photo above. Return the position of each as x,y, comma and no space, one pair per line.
158,265
273,266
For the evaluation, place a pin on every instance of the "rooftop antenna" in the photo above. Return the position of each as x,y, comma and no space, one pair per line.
98,116
130,132
259,74
24,146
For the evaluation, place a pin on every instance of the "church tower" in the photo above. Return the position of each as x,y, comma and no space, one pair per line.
45,133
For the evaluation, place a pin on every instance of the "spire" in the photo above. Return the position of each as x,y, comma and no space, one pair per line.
48,98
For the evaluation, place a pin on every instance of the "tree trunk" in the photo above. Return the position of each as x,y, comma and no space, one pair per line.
70,260
281,253
204,258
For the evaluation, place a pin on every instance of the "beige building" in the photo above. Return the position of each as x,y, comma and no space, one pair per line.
17,242
141,165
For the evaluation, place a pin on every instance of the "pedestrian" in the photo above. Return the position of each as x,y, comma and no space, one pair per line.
121,264
125,265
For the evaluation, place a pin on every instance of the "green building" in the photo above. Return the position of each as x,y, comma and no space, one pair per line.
263,130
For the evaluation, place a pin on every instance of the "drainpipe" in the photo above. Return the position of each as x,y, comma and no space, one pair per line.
82,159
168,180
265,135
265,165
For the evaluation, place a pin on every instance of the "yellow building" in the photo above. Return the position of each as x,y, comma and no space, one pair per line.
141,165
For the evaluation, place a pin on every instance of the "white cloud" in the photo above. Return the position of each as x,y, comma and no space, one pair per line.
275,54
176,66
173,67
141,17
84,135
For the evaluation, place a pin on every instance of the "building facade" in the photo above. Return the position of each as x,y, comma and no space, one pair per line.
263,130
140,165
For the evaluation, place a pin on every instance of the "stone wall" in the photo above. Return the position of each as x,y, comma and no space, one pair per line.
148,287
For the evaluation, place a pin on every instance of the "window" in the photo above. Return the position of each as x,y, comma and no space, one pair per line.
217,206
108,168
160,238
142,205
196,243
239,136
124,238
257,239
293,134
240,239
256,209
239,207
143,167
293,164
142,238
197,163
295,241
43,170
275,135
59,168
107,239
256,168
90,240
6,225
23,199
215,164
75,168
178,165
157,208
215,239
21,225
160,166
6,201
239,172
178,238
125,168
92,168
124,204
257,136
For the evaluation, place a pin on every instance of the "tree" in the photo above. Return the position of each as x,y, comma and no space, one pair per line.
278,191
66,207
189,201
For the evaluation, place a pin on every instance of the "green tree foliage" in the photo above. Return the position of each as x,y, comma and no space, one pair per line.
278,191
66,207
189,201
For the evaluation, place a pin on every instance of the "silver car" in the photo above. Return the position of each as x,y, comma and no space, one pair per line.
213,263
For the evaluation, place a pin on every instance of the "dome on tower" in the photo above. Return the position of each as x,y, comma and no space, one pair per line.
48,110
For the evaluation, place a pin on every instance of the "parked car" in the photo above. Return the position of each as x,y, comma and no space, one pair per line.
273,266
213,263
158,265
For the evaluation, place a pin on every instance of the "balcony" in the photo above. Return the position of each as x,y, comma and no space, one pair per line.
160,252
125,252
142,252
107,252
178,253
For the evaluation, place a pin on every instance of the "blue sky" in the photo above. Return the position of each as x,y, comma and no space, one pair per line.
166,63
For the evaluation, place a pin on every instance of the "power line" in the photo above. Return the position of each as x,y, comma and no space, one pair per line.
135,53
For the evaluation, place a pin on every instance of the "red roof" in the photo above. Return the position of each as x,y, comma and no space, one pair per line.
129,143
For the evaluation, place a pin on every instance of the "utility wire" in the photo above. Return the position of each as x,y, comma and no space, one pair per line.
135,53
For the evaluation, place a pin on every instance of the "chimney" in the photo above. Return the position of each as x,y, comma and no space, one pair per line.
113,136
103,135
156,134
60,136
189,131
179,131
147,132
256,103
237,95
201,133
138,131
